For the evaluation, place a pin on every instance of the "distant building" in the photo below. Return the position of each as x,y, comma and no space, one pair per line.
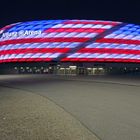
70,47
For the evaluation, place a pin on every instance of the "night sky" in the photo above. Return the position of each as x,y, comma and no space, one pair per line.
12,11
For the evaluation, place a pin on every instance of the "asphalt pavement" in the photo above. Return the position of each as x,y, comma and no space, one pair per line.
108,106
28,116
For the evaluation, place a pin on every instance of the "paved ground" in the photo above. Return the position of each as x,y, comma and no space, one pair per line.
27,116
108,106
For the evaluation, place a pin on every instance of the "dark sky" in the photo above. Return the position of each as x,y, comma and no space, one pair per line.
12,11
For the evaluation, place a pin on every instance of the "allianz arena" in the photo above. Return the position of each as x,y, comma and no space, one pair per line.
69,47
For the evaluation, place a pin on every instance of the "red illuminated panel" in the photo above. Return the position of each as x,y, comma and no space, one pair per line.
26,60
107,50
99,60
42,40
120,41
78,30
35,50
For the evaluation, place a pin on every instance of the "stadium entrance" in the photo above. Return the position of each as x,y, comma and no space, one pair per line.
60,70
68,68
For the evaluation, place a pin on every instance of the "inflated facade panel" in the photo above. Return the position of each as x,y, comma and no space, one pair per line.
70,41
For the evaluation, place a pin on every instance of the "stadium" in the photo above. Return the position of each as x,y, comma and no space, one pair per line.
70,47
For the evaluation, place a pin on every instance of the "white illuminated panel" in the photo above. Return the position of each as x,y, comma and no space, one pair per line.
103,55
55,55
46,55
113,46
39,45
99,26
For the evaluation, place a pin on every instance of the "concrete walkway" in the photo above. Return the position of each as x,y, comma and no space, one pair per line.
108,106
27,116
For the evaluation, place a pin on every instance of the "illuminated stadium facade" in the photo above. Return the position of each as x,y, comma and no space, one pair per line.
70,47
